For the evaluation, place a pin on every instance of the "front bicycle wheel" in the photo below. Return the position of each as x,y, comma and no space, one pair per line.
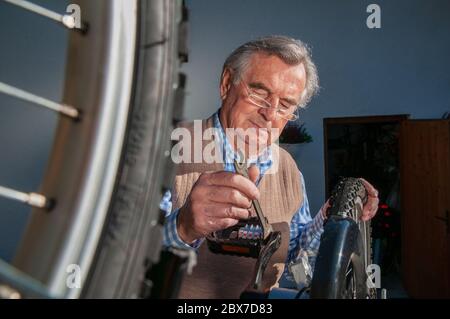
108,170
345,247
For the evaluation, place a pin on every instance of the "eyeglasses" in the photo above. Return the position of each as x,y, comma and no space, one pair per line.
286,112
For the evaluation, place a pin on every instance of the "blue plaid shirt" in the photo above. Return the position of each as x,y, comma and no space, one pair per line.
305,232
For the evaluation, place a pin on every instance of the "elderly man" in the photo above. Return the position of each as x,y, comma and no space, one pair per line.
263,84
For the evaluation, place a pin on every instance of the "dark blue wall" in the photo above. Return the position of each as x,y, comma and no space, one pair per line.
32,56
404,67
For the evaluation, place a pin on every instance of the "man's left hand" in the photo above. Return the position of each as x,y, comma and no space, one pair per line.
371,206
369,209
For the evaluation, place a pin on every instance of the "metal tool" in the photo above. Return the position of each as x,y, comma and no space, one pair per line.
241,168
246,238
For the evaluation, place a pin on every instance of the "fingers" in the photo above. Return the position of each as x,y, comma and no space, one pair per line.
370,209
244,185
371,191
217,201
253,173
225,211
227,195
225,223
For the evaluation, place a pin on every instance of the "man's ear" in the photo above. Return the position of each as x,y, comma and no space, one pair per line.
225,84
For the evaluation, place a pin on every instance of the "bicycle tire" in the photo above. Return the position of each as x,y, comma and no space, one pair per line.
127,238
345,247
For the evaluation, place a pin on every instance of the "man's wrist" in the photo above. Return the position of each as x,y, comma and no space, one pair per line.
324,214
182,230
324,209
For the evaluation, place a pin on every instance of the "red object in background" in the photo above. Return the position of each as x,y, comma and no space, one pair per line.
385,223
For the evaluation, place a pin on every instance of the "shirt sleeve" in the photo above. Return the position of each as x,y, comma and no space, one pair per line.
171,237
305,230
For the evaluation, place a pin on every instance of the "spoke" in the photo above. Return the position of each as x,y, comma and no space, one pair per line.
17,279
349,271
33,199
26,96
67,20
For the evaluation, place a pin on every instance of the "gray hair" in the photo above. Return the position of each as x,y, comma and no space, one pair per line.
291,51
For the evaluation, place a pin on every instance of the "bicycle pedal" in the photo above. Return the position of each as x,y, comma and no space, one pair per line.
243,239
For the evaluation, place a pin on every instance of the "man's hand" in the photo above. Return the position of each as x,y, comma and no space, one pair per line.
217,201
371,206
369,209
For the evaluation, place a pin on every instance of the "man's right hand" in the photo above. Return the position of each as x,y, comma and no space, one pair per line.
217,201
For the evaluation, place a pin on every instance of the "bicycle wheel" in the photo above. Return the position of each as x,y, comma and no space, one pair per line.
108,170
345,247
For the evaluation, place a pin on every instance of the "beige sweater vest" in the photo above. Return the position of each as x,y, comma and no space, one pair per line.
222,276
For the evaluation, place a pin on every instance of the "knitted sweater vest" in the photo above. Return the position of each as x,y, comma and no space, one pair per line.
224,276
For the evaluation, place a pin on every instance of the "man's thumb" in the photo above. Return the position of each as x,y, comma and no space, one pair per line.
253,173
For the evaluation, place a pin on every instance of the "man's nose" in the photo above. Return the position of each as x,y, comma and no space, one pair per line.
270,113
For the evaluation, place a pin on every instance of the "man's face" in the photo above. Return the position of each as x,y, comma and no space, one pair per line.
268,76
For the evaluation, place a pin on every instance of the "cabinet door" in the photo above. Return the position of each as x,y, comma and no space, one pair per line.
425,191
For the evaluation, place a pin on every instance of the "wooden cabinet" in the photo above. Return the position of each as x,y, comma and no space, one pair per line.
425,197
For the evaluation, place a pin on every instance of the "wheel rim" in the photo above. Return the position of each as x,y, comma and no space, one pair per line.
82,184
